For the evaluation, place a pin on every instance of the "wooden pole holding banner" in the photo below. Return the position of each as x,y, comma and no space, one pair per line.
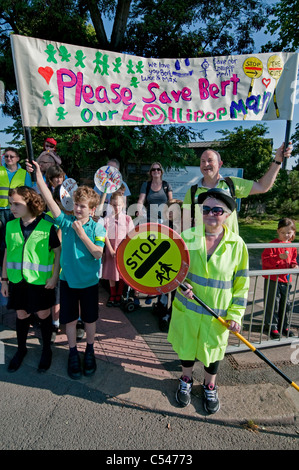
286,141
29,149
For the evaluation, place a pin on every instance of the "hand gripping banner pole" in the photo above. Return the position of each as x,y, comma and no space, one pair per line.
286,141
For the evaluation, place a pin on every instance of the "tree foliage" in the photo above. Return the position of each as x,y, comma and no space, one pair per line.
283,25
286,195
248,149
164,28
251,150
295,141
58,20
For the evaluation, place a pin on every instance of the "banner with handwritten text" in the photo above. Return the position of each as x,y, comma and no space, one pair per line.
66,85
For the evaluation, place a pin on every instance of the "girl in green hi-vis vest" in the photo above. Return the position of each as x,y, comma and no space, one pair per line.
30,270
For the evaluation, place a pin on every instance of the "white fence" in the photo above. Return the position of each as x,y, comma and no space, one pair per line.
254,327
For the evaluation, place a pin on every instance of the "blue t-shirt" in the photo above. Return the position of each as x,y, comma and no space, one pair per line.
78,267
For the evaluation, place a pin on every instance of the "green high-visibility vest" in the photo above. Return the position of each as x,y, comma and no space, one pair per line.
32,259
17,180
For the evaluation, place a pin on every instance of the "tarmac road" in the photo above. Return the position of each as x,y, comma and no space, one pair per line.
50,412
130,406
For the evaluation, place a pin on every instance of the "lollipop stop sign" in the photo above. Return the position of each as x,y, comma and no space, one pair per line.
153,259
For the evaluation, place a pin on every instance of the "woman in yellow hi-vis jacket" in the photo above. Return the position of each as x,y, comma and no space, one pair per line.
218,274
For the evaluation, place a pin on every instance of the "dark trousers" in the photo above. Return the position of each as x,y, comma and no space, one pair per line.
278,301
211,369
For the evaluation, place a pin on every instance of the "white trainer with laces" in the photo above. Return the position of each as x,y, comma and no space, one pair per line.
210,399
183,393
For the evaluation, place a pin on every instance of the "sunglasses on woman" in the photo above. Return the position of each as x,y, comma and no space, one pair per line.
156,169
215,210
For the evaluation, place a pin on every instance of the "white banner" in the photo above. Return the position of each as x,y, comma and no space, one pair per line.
66,85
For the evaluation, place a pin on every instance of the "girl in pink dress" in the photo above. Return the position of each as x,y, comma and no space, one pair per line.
117,225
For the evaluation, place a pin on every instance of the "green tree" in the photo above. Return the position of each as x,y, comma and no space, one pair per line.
295,141
283,27
164,28
251,150
58,20
286,195
248,149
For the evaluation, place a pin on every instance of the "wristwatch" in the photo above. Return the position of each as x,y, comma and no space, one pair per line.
277,163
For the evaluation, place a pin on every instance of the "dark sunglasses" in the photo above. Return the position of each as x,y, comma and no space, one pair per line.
156,169
10,156
215,210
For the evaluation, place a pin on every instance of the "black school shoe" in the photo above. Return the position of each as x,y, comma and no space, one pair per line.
89,365
274,334
74,366
289,333
17,360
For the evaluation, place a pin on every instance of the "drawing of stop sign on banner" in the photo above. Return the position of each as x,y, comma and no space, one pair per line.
153,259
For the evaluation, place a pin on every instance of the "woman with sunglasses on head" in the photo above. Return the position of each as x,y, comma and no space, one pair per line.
154,193
218,274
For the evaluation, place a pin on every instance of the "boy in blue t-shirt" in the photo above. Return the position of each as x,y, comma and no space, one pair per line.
82,248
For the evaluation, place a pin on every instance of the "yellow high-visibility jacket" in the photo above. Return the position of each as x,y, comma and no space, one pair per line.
222,283
17,180
32,259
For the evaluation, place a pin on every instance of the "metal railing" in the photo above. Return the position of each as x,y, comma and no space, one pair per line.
254,327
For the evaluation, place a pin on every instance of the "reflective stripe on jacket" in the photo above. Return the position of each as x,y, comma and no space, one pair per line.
32,259
17,180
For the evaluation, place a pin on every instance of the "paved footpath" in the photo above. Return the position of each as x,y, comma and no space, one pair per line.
137,366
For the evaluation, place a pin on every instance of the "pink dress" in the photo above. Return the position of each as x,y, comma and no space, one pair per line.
117,230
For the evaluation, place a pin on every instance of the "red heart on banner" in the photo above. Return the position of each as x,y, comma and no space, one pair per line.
266,81
46,73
